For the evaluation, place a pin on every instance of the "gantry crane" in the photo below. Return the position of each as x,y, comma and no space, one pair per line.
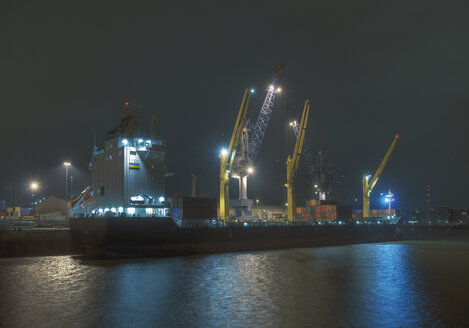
252,137
368,186
228,155
293,162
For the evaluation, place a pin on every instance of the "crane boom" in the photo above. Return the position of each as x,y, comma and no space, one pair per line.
293,163
307,154
265,114
368,186
228,155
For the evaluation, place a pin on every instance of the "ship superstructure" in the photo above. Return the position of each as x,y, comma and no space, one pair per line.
127,174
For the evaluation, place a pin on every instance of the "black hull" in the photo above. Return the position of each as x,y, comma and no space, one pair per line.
162,237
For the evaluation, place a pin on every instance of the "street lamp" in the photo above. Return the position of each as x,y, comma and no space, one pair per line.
67,165
34,186
389,198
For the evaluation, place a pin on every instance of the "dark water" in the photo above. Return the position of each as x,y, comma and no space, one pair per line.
414,284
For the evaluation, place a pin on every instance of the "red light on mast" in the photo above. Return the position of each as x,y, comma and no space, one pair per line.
127,103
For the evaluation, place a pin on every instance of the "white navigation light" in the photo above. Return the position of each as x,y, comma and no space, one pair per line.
279,89
161,199
125,142
252,90
131,210
250,170
224,152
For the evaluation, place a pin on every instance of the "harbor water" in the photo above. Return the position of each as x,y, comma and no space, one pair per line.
405,284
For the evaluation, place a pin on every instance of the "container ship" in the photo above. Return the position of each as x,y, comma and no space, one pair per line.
125,210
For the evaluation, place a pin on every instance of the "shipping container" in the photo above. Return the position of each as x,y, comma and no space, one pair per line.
197,208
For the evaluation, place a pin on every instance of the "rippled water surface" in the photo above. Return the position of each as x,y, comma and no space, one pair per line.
414,284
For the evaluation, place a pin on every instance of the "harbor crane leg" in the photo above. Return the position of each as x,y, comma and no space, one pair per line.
227,157
368,186
293,162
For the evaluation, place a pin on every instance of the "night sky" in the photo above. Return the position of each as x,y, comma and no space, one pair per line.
371,70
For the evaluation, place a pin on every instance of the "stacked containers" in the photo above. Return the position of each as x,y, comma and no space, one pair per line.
383,212
301,213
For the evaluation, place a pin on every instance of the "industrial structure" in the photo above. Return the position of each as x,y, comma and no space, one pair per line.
293,163
227,157
127,174
250,145
320,175
369,185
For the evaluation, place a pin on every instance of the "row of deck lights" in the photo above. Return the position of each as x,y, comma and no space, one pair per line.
129,210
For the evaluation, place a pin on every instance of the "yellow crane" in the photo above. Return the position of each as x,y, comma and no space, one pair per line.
368,186
228,155
293,162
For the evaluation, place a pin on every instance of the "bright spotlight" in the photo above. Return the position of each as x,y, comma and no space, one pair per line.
279,90
271,88
250,170
161,199
34,186
224,152
125,142
67,164
252,90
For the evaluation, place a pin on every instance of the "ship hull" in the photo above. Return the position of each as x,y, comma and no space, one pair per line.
162,237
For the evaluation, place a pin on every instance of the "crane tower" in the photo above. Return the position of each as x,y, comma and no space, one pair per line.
250,145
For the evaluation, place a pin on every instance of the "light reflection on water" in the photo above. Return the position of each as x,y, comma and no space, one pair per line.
372,285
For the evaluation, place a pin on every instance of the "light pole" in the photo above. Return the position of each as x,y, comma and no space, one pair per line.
389,199
34,187
71,187
67,165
